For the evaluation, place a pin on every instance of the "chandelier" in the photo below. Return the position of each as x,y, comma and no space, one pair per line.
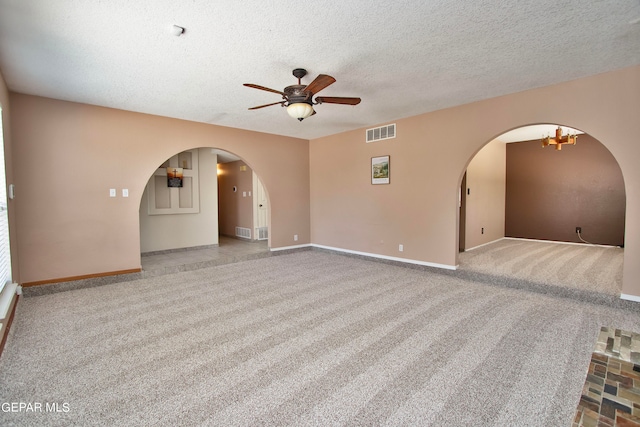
559,140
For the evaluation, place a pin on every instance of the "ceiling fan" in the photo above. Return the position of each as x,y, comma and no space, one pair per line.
299,98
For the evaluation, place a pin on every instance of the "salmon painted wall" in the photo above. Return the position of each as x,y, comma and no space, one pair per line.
419,209
67,156
486,186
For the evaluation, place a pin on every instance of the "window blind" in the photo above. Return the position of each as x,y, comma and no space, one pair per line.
5,249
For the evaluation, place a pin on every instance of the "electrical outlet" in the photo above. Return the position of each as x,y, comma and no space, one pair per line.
578,230
400,248
295,237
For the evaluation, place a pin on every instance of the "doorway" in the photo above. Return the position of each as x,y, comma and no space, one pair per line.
523,204
243,205
260,210
185,227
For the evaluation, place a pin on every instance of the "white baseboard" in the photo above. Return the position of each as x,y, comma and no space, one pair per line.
560,243
285,248
485,244
390,258
627,297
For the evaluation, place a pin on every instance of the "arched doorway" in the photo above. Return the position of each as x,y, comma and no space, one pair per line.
514,188
186,209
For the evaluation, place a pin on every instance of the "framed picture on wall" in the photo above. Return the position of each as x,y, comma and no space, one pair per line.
174,177
380,170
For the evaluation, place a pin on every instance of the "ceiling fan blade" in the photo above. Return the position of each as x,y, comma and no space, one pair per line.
263,88
337,100
319,83
267,105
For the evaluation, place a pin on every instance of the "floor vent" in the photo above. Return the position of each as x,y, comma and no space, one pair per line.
380,133
245,233
263,233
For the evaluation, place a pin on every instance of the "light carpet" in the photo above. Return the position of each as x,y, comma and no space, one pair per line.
585,271
310,338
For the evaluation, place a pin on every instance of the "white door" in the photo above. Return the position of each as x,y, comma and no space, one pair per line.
261,209
5,248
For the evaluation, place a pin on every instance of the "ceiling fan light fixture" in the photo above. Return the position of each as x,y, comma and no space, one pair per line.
300,110
299,98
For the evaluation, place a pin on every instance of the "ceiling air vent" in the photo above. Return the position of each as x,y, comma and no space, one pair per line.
380,133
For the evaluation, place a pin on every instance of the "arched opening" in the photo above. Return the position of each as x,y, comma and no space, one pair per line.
520,199
202,207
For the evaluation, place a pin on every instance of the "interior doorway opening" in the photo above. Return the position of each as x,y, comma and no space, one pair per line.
514,187
202,207
243,203
524,208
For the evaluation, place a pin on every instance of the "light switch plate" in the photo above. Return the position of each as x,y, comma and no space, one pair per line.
125,192
112,192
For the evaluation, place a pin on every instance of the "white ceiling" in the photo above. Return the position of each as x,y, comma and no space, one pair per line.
403,57
529,133
225,156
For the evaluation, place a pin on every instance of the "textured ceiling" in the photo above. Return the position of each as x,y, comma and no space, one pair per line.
401,57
